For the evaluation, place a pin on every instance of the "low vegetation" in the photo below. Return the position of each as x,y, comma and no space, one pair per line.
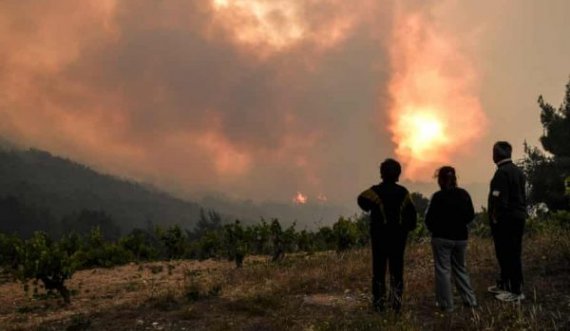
322,288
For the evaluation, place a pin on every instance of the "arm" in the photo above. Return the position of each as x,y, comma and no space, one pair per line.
409,213
498,197
469,210
430,213
368,200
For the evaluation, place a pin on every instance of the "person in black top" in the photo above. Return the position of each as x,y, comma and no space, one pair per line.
392,216
507,215
449,212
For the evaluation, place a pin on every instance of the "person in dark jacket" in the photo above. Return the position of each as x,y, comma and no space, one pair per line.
507,215
449,212
392,216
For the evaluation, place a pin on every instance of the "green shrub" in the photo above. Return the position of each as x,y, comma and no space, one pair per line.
142,244
235,243
9,245
346,234
421,232
173,241
41,258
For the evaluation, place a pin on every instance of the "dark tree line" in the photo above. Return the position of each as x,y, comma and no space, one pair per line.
548,170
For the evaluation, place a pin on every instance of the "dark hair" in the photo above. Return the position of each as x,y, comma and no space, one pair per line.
502,150
446,177
390,170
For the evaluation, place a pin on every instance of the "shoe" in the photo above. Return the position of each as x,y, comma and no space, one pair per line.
378,307
444,309
471,305
496,289
510,297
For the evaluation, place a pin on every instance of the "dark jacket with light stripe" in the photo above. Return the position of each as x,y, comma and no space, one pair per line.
507,199
390,207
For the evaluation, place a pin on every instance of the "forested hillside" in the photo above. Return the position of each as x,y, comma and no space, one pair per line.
38,189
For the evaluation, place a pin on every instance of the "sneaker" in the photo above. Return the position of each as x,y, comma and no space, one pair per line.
510,297
496,289
378,307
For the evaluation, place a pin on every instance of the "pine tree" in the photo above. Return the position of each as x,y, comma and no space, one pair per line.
546,172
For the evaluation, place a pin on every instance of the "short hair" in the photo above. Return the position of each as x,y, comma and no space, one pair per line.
503,150
446,175
390,170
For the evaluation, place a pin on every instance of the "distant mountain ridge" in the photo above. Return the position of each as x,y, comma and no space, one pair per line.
62,187
310,215
65,187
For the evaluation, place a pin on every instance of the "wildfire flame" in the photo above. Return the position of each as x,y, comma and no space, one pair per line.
422,133
435,111
300,198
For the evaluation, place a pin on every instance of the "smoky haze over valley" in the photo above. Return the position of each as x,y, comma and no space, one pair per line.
260,100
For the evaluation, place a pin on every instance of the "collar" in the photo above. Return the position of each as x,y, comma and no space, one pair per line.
503,161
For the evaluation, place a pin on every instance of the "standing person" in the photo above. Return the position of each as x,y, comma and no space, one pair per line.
392,216
507,214
449,212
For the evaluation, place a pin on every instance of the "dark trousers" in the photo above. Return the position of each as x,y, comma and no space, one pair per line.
507,236
388,251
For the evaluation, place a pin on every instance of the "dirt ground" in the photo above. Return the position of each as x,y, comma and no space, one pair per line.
322,291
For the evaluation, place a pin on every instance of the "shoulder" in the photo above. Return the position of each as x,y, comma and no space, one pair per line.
402,189
376,188
501,173
463,192
518,170
464,195
436,195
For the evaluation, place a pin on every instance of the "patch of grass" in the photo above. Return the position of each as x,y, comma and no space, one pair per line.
155,268
166,302
326,291
132,286
78,322
256,305
170,268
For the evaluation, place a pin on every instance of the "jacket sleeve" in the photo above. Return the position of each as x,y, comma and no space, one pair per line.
469,210
368,200
430,212
498,197
409,213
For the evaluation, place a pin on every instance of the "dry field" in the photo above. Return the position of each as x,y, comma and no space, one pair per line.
323,291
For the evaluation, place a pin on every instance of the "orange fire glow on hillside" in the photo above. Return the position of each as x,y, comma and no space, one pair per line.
435,110
300,198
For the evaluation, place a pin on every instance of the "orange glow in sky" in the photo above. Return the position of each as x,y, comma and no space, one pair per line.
271,26
422,133
275,23
435,110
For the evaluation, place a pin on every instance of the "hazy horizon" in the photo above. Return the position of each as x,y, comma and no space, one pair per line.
263,100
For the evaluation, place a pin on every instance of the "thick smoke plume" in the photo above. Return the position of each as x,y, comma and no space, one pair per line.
435,111
254,98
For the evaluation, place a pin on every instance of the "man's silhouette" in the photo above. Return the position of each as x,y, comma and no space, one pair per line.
392,216
507,214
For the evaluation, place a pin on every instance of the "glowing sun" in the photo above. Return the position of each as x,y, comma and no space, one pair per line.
422,133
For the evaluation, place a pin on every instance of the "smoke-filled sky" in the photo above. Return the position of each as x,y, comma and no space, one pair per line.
266,99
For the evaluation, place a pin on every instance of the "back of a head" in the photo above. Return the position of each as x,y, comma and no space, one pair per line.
446,177
390,170
502,150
